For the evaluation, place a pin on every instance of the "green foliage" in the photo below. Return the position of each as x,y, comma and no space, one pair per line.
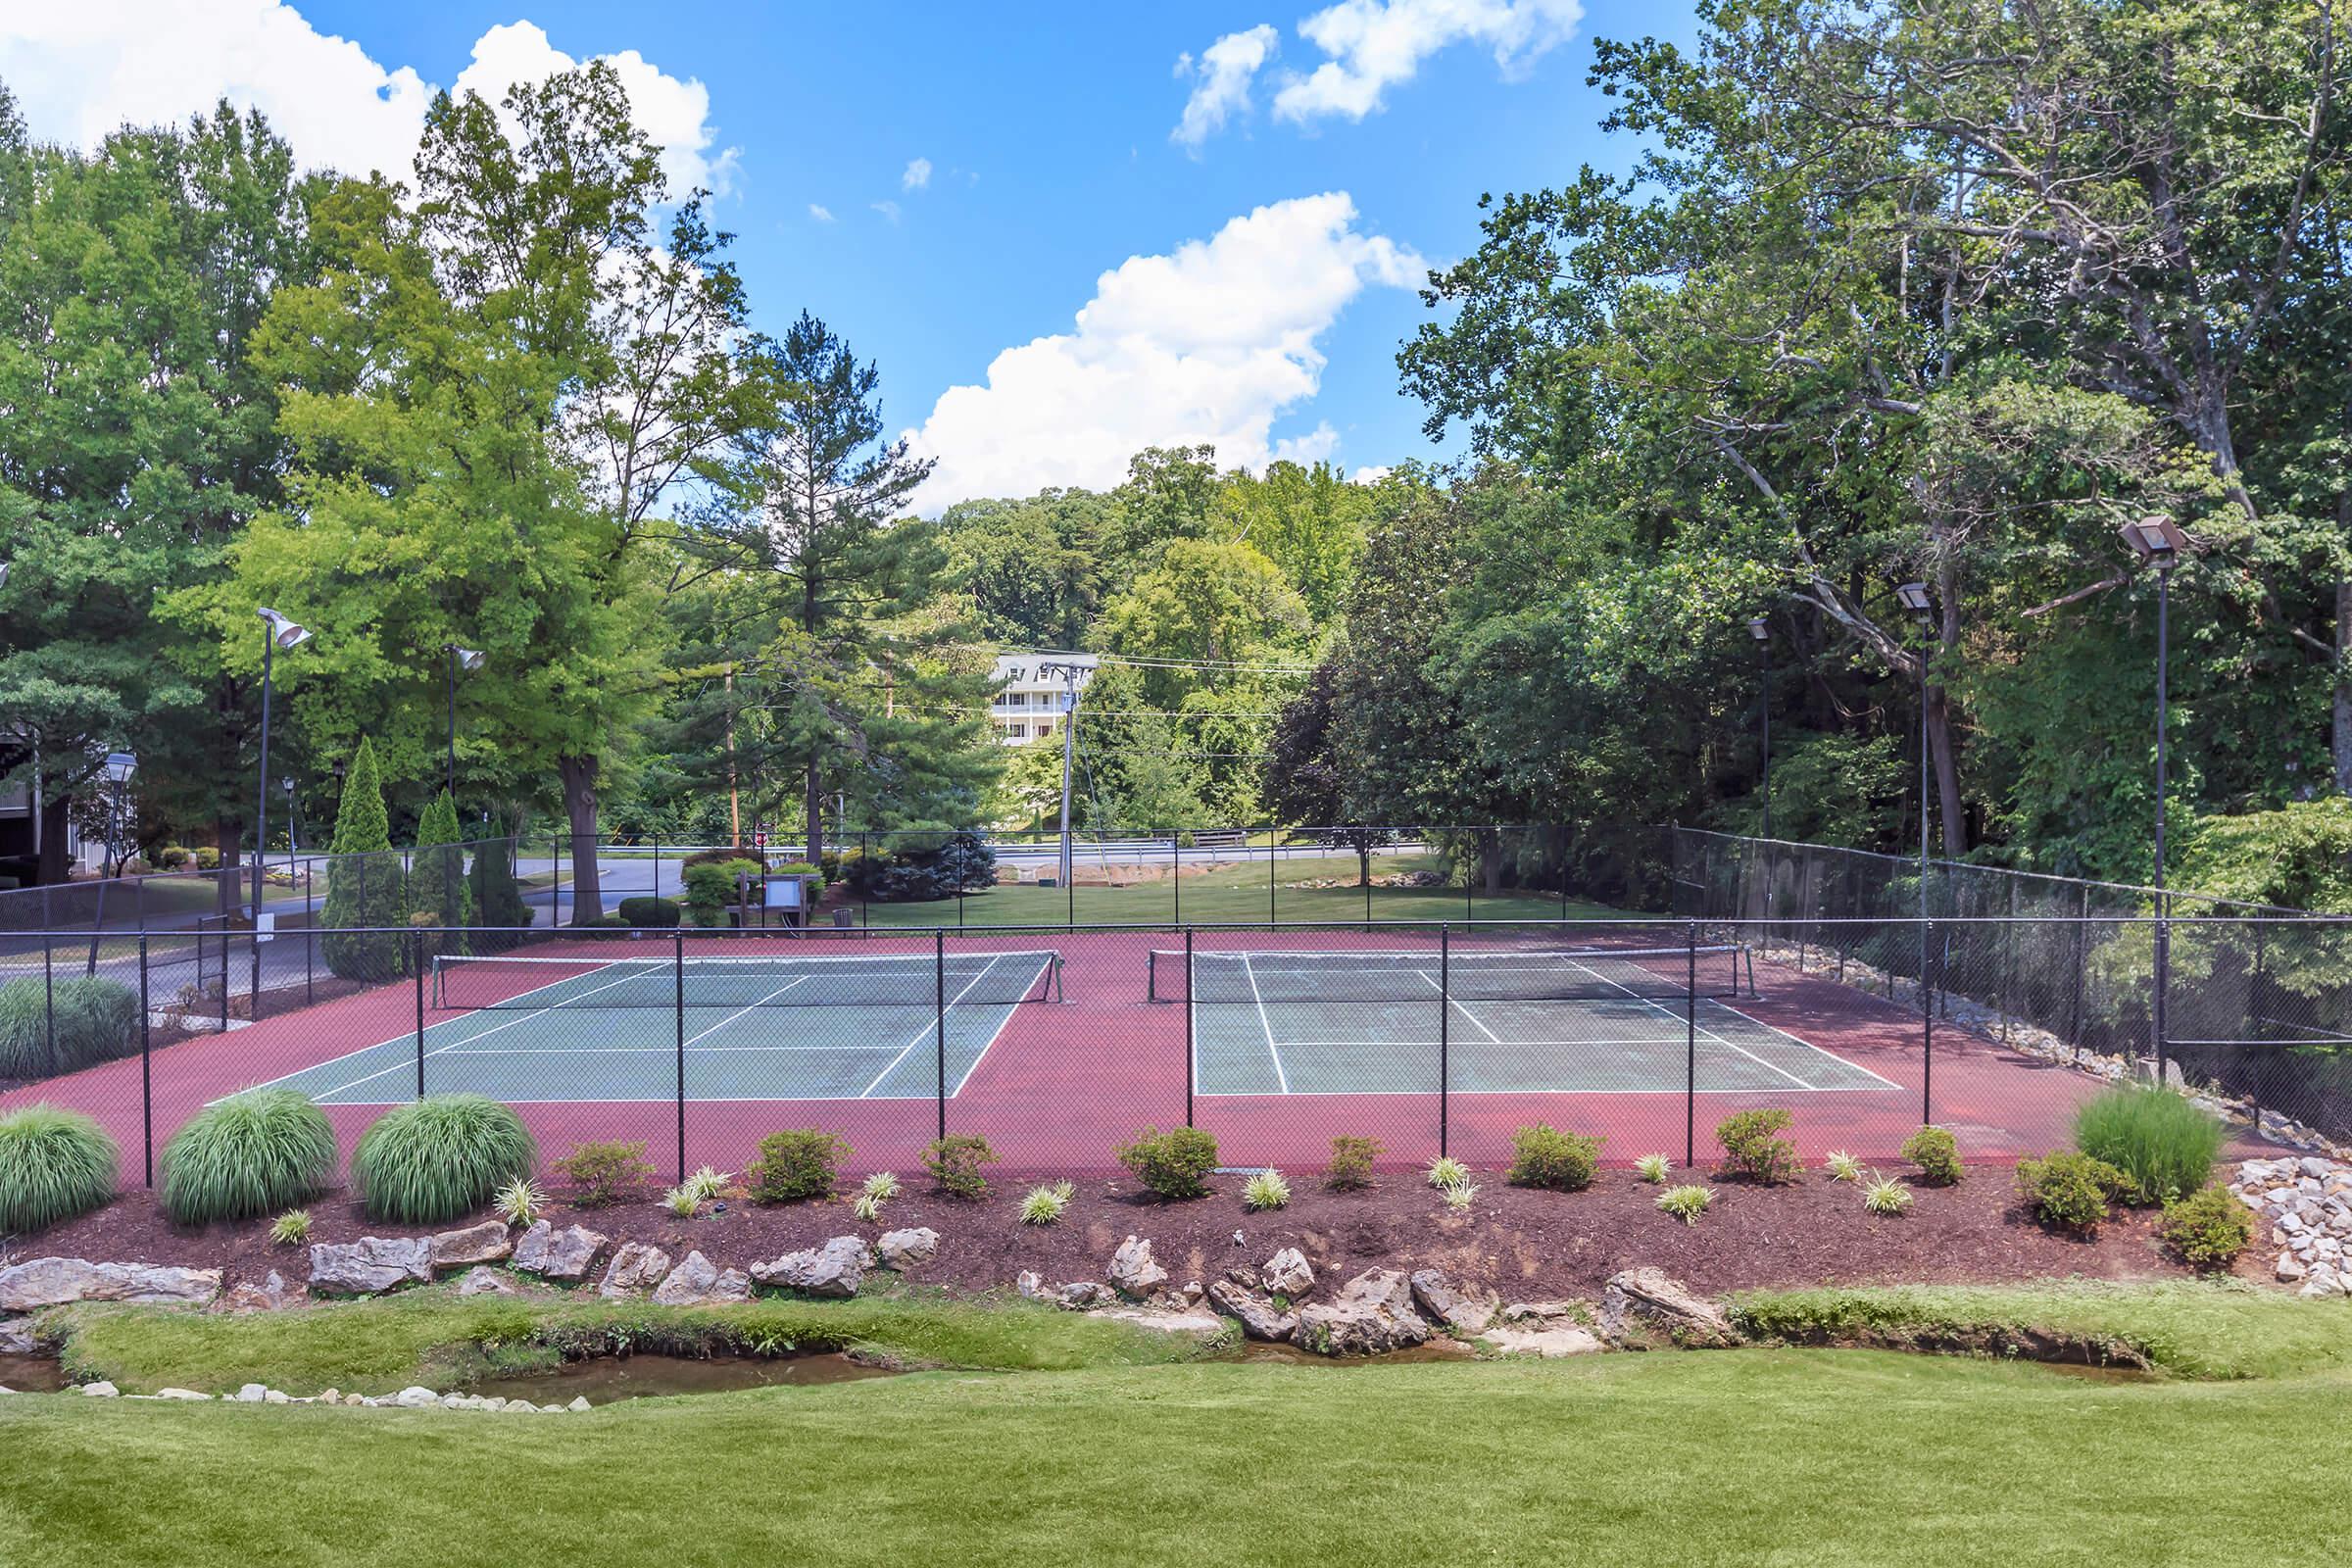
1267,1188
1845,1167
54,1164
1350,1167
1685,1203
2298,856
366,891
954,1162
518,1203
1458,1197
439,1159
1885,1195
2069,1189
604,1173
498,901
1937,1154
1752,1146
1175,1164
795,1166
1545,1156
291,1229
437,884
1043,1205
96,1019
922,867
712,889
2209,1228
250,1154
2166,1145
1446,1172
1653,1168
647,913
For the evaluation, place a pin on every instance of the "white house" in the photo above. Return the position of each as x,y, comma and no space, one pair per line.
1032,691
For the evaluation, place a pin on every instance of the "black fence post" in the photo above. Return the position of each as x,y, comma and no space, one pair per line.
417,963
227,936
1273,900
1927,1025
939,949
1176,884
865,876
1690,1045
677,942
1192,1067
1445,1034
146,1067
49,982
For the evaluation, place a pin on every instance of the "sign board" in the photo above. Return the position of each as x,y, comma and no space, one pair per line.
267,927
785,893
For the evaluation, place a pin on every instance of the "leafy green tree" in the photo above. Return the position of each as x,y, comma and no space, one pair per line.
367,889
1309,522
1034,567
437,884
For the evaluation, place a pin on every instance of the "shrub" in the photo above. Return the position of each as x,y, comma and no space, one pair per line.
1937,1154
251,1154
1654,1167
1459,1197
1884,1194
881,1186
443,1157
1686,1203
1043,1205
725,854
922,867
292,1228
1751,1147
604,1173
96,1019
1350,1167
1842,1166
518,1203
498,901
173,856
794,1166
954,1162
1545,1156
2162,1143
208,857
648,913
711,888
367,888
2209,1228
2069,1189
1175,1164
1268,1189
54,1164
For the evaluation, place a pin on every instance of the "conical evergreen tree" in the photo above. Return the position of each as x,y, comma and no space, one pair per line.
437,877
366,891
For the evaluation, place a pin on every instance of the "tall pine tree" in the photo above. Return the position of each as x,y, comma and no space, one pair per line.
367,892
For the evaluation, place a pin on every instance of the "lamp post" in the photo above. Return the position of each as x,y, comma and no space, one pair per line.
120,765
280,633
293,821
1761,631
459,659
1914,597
2157,542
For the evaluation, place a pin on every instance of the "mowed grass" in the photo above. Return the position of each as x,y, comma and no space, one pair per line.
1238,895
1787,1458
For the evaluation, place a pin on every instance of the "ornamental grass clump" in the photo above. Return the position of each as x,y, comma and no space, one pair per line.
54,1164
250,1154
2165,1144
439,1159
1843,1166
518,1203
65,1024
292,1228
1043,1205
1446,1173
1268,1189
1686,1203
1653,1168
1459,1197
1885,1195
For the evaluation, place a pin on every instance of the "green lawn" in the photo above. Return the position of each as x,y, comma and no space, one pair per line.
1796,1458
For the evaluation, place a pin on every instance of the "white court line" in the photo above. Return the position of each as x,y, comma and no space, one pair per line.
1690,1022
1799,1040
1455,1003
1004,1022
740,1011
1282,1080
931,1029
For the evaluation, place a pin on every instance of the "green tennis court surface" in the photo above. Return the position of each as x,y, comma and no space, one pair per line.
561,1029
1369,1023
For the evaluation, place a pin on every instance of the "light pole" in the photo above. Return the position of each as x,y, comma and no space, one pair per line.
293,821
280,633
1914,597
1761,631
2157,542
459,659
120,765
1069,673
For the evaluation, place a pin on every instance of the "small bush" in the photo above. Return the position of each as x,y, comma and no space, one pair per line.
439,1159
683,1201
1459,1195
1843,1166
1884,1194
1268,1189
1686,1203
250,1154
650,913
2069,1189
518,1203
292,1228
881,1186
2208,1228
868,1207
1751,1148
604,1173
208,857
54,1164
1937,1154
2162,1143
706,1184
1447,1172
1556,1161
1175,1164
1043,1205
1350,1167
173,856
711,890
954,1162
1653,1168
795,1166
96,1019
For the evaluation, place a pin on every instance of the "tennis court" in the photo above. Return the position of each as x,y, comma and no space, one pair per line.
1516,1021
532,1030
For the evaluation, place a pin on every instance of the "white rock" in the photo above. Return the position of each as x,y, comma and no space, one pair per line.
564,1255
486,1243
1134,1270
635,1267
101,1389
372,1264
835,1268
41,1282
277,1396
1288,1273
905,1250
1559,1340
486,1281
414,1397
2290,1267
251,1393
698,1282
578,1404
181,1393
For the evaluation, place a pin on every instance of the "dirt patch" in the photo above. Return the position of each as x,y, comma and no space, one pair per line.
1525,1244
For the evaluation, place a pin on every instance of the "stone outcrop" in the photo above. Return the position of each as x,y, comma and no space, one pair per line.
905,1250
698,1282
1373,1313
558,1255
1288,1273
1436,1298
1134,1270
272,1295
1260,1318
370,1265
1641,1303
487,1282
1553,1339
41,1282
636,1267
835,1268
2303,1207
490,1242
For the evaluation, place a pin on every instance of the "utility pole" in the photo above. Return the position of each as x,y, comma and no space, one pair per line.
1070,674
734,794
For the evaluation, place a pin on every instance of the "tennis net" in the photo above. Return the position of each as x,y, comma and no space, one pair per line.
505,981
1601,974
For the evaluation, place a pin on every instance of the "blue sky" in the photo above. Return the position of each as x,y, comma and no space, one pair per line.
1046,129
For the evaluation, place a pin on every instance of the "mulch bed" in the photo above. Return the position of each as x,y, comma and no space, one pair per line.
1525,1244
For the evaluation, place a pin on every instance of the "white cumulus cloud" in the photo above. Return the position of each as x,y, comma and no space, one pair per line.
1220,80
917,175
1211,344
823,214
85,69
